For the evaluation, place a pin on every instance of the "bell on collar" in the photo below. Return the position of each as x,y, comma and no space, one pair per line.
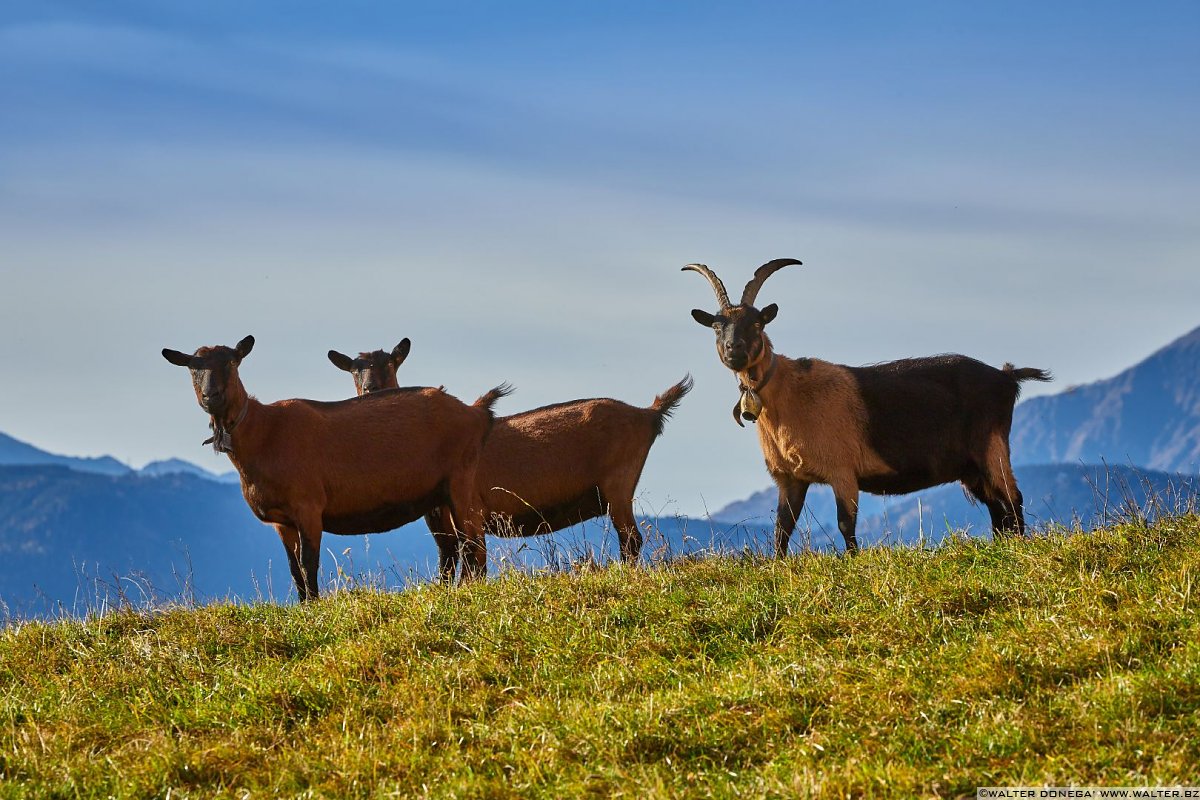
750,405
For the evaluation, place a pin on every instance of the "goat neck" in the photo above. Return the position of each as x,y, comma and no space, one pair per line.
229,421
752,381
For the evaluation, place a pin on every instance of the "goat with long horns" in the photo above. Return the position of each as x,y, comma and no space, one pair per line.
887,428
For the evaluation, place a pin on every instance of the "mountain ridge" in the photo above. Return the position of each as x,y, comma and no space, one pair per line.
1147,416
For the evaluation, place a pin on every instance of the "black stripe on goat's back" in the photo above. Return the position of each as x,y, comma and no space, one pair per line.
926,416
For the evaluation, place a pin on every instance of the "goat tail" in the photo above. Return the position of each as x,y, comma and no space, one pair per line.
1027,373
489,398
664,405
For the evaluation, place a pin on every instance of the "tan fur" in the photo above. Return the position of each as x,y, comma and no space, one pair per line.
818,448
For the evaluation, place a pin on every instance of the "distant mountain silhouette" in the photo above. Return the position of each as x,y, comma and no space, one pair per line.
1147,416
14,452
175,466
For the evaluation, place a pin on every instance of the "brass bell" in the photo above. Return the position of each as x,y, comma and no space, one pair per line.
751,405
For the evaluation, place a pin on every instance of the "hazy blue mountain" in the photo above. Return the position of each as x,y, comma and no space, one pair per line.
1148,416
14,452
174,466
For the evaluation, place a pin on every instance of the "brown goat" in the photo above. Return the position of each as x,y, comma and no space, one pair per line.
356,466
559,465
373,371
887,428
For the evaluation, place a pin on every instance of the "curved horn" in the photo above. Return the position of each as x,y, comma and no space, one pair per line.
718,287
750,293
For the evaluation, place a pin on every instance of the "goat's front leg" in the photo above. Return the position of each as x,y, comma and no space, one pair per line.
791,502
303,548
847,514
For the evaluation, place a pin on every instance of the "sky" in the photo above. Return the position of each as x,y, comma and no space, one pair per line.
514,187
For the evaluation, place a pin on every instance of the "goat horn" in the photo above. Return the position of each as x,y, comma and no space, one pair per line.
750,294
718,287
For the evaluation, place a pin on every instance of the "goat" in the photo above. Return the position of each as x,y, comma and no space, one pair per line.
888,428
356,466
556,466
373,371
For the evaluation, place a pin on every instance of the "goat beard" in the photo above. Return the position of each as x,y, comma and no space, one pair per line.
220,440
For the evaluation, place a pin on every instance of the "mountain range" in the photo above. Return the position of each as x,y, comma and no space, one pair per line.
14,452
81,534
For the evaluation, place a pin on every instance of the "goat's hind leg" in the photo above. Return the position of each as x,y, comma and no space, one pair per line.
629,538
466,520
442,527
846,498
1000,493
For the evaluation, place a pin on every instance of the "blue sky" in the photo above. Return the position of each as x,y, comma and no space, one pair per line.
514,186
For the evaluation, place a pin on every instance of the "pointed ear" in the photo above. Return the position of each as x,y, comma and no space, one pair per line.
768,314
400,351
703,317
342,362
244,347
177,358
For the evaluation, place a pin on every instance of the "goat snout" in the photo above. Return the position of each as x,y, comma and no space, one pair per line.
212,401
735,357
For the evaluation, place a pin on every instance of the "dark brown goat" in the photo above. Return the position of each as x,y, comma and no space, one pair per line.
365,465
888,428
556,466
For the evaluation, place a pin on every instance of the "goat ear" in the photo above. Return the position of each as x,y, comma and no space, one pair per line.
768,314
400,351
244,347
703,317
341,361
177,358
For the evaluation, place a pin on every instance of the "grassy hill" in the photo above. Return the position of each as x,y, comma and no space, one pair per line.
901,672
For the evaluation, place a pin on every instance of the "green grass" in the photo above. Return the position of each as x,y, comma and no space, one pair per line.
902,672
